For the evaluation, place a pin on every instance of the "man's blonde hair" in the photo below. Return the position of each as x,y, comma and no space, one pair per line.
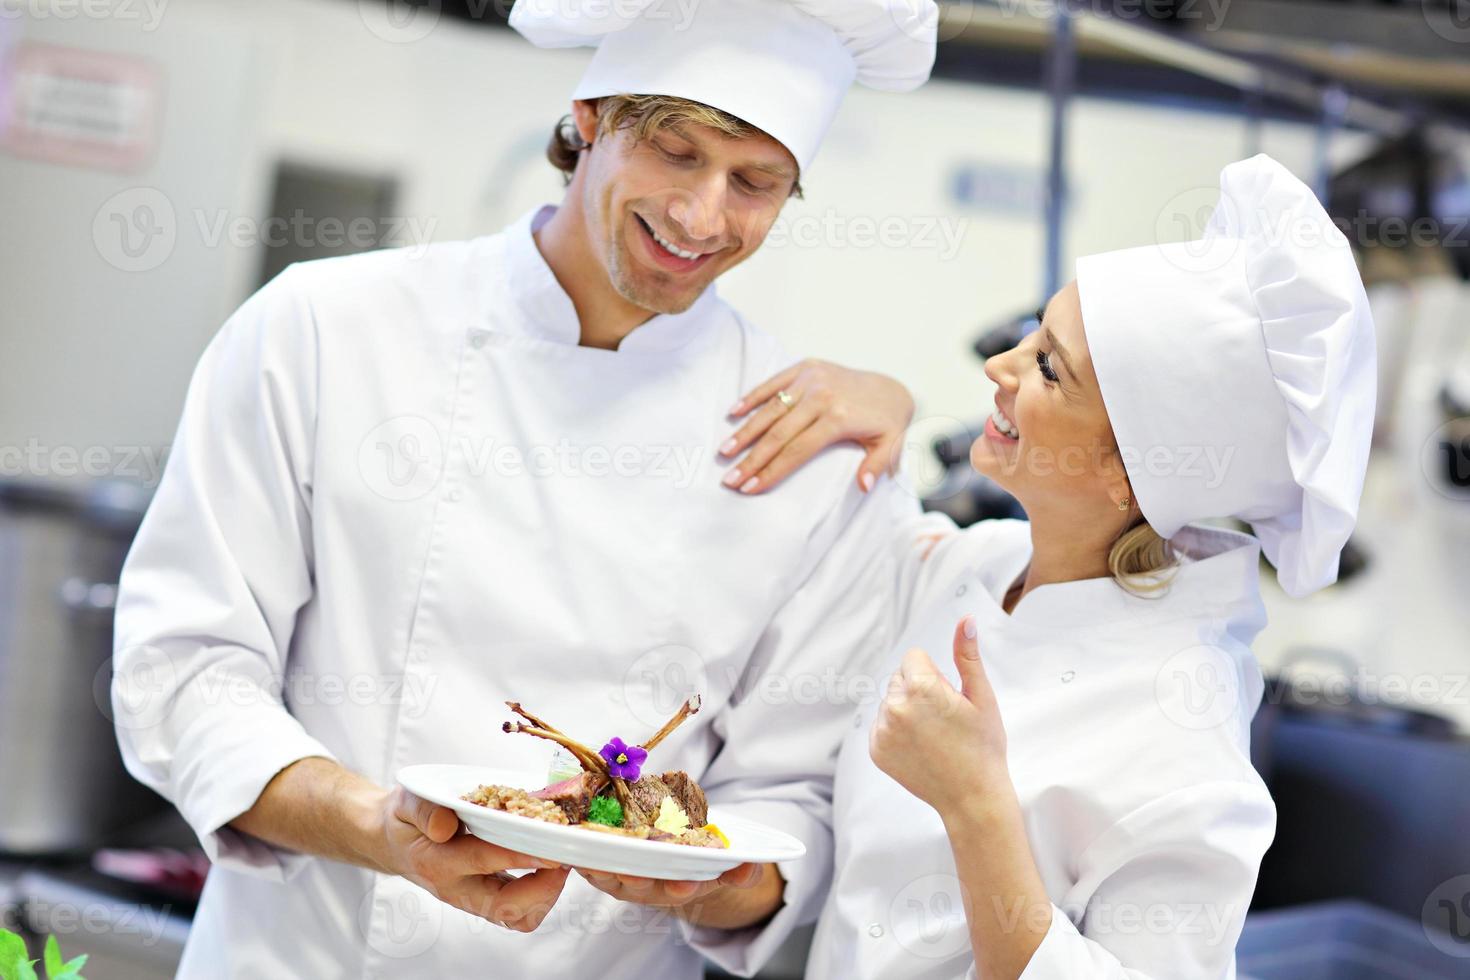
642,116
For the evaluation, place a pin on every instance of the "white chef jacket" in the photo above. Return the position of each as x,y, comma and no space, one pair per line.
400,495
1127,723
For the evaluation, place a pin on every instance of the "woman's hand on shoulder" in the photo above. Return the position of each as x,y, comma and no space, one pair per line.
796,414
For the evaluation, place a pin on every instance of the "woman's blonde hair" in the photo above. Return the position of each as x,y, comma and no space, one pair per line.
1141,561
643,115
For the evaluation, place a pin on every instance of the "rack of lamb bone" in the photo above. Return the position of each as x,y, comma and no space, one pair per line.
612,794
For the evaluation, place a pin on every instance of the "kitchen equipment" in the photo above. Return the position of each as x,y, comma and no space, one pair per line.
1343,941
62,546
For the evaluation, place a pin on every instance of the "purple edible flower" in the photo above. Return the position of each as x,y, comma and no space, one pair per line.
623,761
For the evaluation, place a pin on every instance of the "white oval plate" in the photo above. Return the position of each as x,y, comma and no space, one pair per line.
750,841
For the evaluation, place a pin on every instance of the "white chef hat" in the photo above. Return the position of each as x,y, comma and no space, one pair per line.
1239,371
781,65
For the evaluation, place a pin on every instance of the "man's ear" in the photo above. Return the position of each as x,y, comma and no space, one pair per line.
584,117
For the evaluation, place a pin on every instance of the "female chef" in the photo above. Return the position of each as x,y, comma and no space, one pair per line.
1072,796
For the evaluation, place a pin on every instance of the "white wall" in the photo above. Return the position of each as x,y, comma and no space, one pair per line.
95,355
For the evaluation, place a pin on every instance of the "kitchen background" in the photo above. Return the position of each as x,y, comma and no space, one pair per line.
145,143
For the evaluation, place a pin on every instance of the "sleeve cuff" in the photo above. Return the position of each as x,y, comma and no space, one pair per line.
223,763
742,952
1052,959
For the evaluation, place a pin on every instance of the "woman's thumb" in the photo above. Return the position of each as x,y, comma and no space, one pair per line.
967,657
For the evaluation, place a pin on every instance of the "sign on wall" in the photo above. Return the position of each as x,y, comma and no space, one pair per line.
79,107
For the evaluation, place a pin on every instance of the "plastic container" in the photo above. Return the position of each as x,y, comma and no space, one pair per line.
1344,940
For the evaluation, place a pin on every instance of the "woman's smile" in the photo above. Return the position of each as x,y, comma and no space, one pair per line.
999,426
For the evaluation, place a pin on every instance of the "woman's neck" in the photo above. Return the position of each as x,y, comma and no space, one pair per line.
1066,548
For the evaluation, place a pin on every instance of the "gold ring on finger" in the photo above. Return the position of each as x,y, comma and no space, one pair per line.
786,398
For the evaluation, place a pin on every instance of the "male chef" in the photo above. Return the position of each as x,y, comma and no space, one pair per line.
407,488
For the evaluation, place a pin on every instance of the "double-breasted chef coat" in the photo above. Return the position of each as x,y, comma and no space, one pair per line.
401,494
1127,724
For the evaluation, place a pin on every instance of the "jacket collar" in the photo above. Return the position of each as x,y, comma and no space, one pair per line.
545,311
1217,579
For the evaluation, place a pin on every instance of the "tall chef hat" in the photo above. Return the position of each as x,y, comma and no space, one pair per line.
1239,371
781,65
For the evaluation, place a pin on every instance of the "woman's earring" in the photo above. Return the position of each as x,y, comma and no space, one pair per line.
1123,504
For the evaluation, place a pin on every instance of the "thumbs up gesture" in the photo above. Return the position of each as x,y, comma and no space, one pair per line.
945,746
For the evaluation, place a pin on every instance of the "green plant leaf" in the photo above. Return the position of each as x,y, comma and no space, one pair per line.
52,958
15,964
72,969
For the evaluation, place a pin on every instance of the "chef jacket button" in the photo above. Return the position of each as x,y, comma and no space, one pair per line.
453,496
961,590
1067,677
875,930
478,338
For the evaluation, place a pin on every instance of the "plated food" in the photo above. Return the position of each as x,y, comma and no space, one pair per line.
612,794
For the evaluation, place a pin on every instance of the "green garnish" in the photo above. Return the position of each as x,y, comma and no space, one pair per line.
605,810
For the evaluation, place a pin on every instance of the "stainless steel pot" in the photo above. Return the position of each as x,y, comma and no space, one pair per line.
62,782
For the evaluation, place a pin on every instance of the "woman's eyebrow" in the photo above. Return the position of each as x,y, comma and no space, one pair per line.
1066,361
